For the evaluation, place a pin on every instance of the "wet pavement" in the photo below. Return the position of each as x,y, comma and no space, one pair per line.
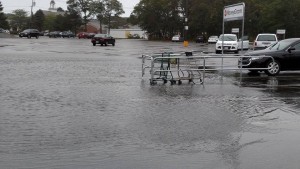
65,104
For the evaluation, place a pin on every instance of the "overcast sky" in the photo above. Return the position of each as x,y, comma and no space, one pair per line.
10,5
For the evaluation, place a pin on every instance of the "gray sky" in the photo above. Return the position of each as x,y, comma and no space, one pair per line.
10,5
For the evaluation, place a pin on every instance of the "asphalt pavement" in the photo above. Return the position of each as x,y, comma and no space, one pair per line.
66,104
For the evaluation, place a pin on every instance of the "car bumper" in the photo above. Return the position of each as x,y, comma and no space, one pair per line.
227,48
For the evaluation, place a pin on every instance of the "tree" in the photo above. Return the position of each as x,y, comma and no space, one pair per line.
111,8
38,20
59,9
19,20
3,22
73,19
160,18
81,6
97,9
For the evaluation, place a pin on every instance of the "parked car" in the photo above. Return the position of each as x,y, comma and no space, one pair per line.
30,33
55,34
90,35
200,39
82,35
264,40
1,30
229,42
286,54
245,41
67,34
213,39
177,38
103,39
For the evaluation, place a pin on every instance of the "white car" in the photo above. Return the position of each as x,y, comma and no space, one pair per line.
264,40
177,38
213,39
245,43
229,43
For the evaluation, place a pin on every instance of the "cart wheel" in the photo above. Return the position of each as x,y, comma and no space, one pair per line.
165,81
179,82
173,82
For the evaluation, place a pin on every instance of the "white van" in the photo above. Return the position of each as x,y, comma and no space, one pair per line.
264,40
229,42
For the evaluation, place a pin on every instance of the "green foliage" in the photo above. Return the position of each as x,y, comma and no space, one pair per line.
3,19
81,6
19,20
38,20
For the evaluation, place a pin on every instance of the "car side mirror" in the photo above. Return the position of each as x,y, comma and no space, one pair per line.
290,49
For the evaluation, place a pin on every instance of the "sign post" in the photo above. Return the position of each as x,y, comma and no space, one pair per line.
232,13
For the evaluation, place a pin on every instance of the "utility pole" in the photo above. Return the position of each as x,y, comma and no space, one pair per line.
186,27
32,5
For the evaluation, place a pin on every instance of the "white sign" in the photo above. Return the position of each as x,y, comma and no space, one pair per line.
281,31
234,12
235,30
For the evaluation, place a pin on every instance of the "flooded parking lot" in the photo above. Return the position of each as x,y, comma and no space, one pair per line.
65,104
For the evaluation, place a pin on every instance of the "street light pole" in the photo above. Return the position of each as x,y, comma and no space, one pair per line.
32,5
186,27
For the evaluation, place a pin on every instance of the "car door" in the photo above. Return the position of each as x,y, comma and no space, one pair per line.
294,56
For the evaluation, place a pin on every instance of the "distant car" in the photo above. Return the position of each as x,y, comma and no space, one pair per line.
82,35
213,39
200,39
1,30
263,40
30,33
90,35
103,39
55,34
67,34
286,54
245,41
229,43
177,38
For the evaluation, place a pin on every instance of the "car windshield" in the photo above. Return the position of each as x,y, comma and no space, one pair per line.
279,45
227,38
266,38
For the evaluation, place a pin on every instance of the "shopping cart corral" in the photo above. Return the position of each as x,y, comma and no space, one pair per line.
192,67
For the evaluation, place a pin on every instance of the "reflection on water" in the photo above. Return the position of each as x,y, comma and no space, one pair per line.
90,111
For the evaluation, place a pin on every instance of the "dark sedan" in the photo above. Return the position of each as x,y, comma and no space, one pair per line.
30,33
67,34
55,34
286,54
200,39
103,39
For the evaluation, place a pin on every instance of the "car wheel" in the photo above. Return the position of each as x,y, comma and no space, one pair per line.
94,44
236,52
28,36
113,44
37,37
217,51
106,43
273,68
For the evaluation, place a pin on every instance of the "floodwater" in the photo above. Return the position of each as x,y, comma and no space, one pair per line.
65,104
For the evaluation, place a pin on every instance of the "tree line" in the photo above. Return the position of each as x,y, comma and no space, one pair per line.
76,17
164,18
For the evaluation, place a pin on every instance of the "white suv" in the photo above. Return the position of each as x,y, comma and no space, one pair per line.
230,43
264,40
